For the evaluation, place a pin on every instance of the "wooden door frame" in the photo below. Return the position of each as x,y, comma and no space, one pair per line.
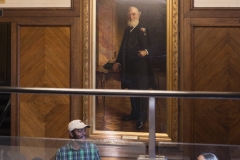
75,68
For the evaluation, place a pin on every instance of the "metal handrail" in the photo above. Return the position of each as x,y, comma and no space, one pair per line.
151,94
124,93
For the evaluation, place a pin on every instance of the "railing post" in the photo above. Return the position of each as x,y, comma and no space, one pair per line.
152,130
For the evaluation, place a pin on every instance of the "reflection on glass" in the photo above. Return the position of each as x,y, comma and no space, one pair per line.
32,148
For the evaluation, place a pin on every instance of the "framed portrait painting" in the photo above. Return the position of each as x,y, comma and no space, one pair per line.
105,22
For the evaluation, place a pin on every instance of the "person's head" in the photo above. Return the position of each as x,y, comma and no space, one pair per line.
77,129
133,16
207,156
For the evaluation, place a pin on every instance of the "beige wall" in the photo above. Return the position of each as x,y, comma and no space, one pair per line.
216,3
36,3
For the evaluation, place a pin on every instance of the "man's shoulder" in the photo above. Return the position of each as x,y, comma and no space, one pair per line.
90,144
65,147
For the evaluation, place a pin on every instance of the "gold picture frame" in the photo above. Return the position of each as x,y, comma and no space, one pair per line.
89,43
2,1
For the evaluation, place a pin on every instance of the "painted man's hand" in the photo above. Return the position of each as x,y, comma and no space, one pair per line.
142,53
116,66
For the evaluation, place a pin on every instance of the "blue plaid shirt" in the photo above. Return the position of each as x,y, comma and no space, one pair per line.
88,151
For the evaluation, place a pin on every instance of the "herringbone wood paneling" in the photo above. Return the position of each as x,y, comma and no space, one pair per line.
44,62
216,68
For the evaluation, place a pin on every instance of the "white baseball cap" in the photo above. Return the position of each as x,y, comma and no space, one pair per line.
76,124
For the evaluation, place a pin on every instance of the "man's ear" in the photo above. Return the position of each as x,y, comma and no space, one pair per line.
71,134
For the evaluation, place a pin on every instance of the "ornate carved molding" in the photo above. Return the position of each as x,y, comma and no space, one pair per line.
175,70
86,54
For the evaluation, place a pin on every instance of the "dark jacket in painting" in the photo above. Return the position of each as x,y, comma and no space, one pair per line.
140,38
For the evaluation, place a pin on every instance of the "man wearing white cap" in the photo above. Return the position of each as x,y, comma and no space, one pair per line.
78,150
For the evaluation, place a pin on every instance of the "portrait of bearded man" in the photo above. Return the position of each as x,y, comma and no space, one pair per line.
137,46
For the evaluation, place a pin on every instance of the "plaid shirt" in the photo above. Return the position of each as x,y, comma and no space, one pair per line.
88,151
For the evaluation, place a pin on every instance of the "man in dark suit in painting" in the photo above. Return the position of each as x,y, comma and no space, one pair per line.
138,44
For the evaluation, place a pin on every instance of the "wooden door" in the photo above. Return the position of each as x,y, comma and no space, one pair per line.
216,68
44,62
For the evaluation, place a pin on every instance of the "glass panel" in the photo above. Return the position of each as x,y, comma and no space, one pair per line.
26,148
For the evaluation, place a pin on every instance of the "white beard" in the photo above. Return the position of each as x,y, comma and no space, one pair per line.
133,23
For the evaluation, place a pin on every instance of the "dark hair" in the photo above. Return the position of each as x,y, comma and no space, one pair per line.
209,156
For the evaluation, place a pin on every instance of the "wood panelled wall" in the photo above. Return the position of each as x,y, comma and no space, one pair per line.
44,62
45,59
45,52
209,58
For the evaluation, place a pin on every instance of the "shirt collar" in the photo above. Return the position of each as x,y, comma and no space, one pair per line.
132,28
